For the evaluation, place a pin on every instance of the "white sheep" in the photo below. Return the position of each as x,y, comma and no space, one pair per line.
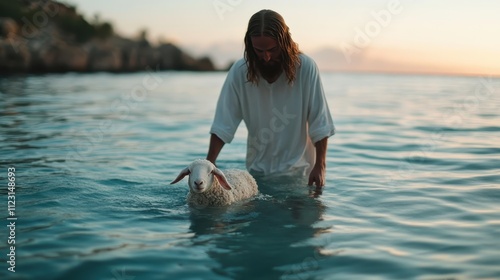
230,186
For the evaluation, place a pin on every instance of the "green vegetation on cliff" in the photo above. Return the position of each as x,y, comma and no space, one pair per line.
68,21
49,36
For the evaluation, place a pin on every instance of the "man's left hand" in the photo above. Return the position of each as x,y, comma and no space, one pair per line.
317,176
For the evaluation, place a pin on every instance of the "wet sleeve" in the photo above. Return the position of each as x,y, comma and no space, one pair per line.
319,118
228,114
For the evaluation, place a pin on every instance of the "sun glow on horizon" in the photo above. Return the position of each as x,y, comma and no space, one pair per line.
434,36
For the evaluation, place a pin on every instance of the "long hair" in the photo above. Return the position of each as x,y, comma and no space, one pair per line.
270,23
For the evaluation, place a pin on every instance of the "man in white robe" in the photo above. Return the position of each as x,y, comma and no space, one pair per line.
277,92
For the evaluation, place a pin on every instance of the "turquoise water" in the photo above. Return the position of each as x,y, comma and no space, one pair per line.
412,186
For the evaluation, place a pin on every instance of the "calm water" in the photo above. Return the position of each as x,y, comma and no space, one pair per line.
413,182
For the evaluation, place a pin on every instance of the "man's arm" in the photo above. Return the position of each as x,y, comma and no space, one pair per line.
214,148
317,175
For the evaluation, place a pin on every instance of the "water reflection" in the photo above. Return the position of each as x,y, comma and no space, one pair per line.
268,236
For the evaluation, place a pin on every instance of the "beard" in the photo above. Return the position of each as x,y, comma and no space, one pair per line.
269,69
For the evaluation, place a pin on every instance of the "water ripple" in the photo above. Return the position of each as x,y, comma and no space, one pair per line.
411,192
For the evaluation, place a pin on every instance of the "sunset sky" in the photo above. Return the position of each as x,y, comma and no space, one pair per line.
430,36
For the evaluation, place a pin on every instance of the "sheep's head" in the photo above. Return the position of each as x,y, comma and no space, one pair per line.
201,176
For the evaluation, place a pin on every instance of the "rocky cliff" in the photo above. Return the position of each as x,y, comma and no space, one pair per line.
47,36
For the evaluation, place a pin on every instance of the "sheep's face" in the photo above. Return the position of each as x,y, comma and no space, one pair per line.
201,176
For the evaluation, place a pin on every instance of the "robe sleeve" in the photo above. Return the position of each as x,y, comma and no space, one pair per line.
320,121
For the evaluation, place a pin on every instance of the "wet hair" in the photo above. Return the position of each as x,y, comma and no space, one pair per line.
270,23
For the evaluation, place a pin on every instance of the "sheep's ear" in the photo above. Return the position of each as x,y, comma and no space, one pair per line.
181,175
222,179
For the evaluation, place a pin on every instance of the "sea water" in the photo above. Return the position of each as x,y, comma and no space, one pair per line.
412,184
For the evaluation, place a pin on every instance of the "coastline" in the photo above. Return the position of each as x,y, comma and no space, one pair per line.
51,37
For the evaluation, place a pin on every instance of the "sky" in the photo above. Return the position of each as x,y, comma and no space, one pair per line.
422,36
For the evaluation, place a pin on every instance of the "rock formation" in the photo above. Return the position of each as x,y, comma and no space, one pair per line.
47,36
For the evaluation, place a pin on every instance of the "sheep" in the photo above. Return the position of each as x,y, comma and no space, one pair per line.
231,186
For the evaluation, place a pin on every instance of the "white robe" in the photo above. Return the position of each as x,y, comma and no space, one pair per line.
283,120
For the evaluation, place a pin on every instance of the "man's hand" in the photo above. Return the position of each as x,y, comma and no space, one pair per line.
317,175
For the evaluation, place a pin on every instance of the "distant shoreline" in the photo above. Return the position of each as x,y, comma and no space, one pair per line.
51,37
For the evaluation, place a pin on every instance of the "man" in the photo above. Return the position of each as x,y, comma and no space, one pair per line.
276,90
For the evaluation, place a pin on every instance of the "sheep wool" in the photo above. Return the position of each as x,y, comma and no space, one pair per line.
242,184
